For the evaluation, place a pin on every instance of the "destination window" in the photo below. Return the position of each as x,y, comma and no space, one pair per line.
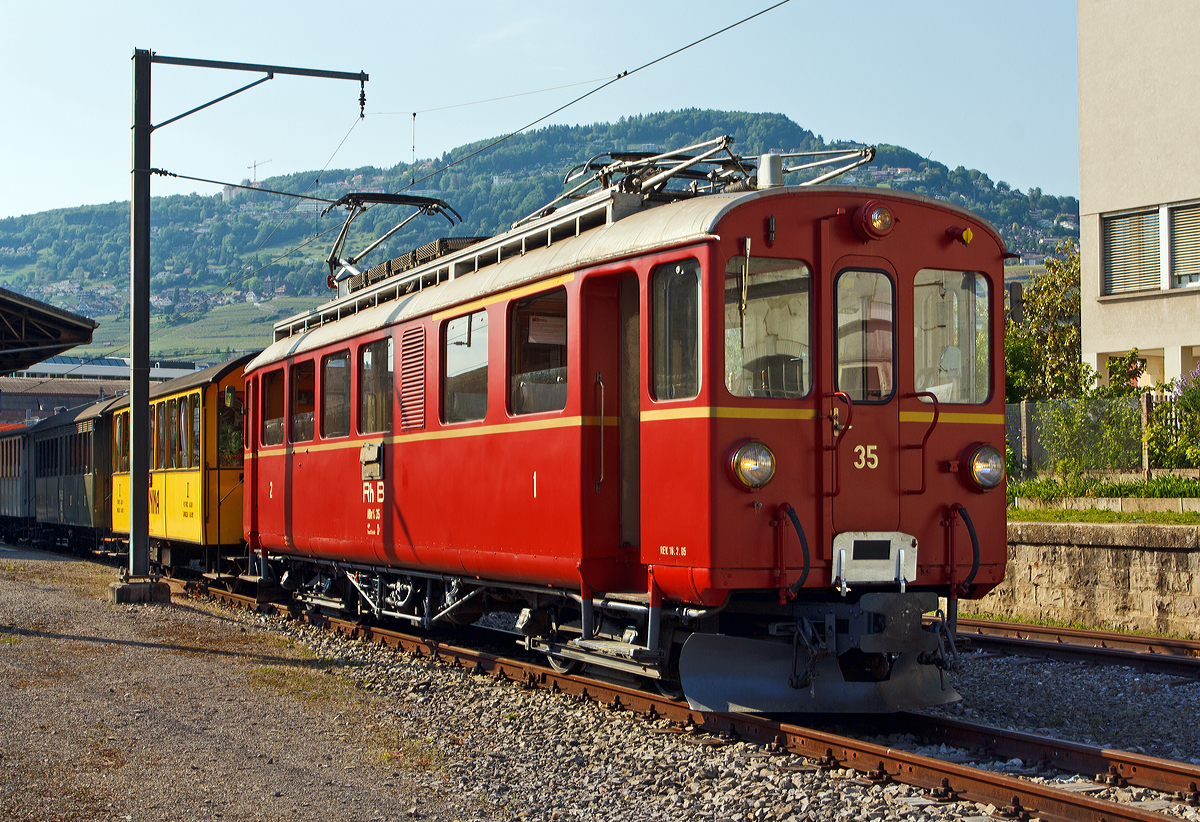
304,401
538,351
465,368
676,330
768,331
951,355
864,305
272,408
375,364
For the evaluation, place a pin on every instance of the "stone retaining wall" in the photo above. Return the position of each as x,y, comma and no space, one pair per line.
1140,577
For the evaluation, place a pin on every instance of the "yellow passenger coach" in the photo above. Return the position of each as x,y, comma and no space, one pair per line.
196,460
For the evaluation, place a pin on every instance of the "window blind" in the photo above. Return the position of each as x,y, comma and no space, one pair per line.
1185,244
1130,253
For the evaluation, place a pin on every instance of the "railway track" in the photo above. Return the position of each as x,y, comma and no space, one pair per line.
1156,655
1015,798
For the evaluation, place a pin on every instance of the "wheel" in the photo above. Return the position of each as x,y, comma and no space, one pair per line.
670,688
562,665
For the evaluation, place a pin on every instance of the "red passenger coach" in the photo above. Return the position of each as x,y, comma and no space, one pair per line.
735,436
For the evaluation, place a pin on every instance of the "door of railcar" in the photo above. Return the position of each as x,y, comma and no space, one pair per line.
862,397
610,408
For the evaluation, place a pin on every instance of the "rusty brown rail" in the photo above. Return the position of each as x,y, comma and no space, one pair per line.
944,780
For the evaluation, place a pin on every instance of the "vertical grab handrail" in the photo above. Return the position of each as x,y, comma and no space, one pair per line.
936,413
600,382
837,439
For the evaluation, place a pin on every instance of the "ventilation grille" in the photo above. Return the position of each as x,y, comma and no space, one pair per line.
412,379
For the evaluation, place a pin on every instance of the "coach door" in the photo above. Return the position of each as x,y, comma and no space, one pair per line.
862,432
610,411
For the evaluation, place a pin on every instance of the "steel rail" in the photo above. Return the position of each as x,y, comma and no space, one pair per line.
1015,798
1174,657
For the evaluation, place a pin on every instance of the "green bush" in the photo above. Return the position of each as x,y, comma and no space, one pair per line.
1081,485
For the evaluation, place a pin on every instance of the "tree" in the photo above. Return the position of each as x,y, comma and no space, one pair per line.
1043,355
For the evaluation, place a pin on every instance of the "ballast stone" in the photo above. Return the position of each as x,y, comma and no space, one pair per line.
122,592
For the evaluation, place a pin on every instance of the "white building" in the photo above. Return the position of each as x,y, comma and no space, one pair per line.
1139,183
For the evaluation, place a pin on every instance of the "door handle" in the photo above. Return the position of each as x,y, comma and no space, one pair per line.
600,382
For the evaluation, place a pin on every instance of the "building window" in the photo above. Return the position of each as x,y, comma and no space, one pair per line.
465,364
676,326
1185,246
538,350
1130,253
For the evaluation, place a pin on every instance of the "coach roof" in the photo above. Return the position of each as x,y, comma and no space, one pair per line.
674,224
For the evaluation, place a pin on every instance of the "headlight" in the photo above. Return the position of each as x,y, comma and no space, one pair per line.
753,464
987,467
873,220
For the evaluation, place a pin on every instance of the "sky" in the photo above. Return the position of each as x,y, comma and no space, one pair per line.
991,86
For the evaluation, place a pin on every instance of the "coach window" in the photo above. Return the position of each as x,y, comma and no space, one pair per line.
304,400
864,305
375,364
272,408
160,441
231,451
172,411
195,424
676,329
465,360
538,350
335,395
952,358
768,330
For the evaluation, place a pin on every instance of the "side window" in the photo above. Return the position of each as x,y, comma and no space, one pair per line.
538,353
866,320
160,435
768,336
172,427
304,400
272,408
230,444
375,387
676,351
195,430
465,364
951,357
335,395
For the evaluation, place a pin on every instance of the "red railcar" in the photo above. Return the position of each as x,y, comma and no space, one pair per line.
737,442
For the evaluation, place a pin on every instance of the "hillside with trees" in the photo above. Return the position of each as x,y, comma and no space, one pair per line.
252,246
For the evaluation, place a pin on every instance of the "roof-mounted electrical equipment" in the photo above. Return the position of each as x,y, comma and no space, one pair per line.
342,268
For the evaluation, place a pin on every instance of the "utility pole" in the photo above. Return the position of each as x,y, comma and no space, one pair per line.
139,295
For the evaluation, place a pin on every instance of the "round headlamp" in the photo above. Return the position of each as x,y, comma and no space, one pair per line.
873,220
986,467
753,465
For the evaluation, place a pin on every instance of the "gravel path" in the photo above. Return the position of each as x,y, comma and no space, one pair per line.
195,712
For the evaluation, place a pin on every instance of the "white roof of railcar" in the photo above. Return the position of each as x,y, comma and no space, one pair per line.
658,226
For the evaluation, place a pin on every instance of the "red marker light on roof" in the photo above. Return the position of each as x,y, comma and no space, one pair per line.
873,220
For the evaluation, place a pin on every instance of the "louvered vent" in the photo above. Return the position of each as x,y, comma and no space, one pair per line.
412,379
1185,244
1131,258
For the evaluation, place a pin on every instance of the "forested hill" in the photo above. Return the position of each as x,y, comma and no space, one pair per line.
247,244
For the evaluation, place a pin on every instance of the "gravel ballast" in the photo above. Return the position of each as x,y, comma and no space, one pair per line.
190,711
